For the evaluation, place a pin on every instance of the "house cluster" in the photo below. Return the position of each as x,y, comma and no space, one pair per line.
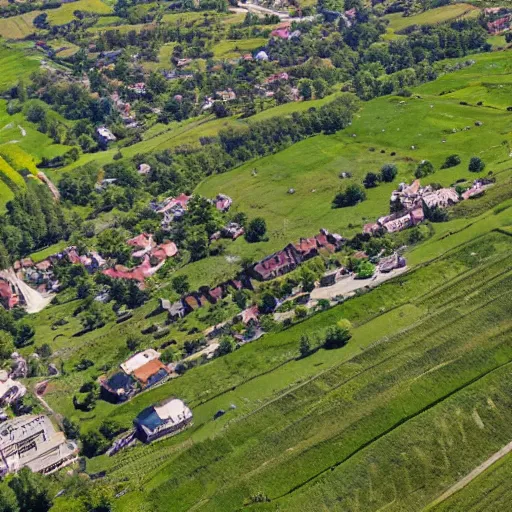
164,419
153,256
171,209
477,188
31,441
125,110
273,266
409,204
141,371
499,19
294,254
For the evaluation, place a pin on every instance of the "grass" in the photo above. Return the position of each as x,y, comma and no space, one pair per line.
64,14
290,417
398,22
228,49
18,27
16,63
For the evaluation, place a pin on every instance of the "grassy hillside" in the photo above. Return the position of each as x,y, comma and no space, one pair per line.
432,16
64,14
18,27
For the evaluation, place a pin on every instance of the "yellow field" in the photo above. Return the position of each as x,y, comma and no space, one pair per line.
64,14
18,27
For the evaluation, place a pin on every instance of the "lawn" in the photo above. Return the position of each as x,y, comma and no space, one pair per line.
432,17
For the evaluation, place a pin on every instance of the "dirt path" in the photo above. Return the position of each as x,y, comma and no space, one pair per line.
471,476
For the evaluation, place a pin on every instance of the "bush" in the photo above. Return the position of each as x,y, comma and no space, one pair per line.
301,312
256,230
424,169
93,443
304,346
365,270
451,161
388,173
111,428
336,337
352,195
180,284
476,164
371,180
133,341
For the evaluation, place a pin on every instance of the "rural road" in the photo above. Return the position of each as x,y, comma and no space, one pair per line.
471,476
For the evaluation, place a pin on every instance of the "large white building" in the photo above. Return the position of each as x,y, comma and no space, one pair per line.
32,441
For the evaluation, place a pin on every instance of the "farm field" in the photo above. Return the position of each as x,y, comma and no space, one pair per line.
425,340
64,14
432,16
233,49
18,27
16,63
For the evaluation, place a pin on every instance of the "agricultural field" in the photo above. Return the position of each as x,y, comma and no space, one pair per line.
233,49
18,27
399,22
64,14
416,338
17,62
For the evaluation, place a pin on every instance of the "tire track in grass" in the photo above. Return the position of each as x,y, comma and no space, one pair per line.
495,457
402,421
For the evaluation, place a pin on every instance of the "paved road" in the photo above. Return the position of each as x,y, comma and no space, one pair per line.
349,285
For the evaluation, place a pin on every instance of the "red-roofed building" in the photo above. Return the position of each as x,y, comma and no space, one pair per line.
216,294
277,264
8,297
307,247
281,33
250,315
181,201
164,251
142,240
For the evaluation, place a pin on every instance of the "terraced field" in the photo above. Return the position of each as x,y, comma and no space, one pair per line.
421,394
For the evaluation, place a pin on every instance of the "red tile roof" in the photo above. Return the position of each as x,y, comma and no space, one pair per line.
146,371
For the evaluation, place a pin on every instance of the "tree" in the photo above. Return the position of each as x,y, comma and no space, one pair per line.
352,195
424,169
133,341
336,337
220,110
8,501
6,345
240,298
93,443
476,164
35,113
96,316
371,180
365,270
71,429
388,172
267,303
32,491
24,335
301,312
180,284
44,351
305,87
304,346
508,37
256,230
225,346
320,87
111,428
451,161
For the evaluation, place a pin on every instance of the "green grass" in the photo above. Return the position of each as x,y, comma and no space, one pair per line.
232,49
18,27
432,16
291,417
64,14
16,62
44,253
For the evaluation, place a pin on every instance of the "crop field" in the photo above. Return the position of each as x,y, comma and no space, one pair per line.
18,27
16,63
446,323
64,14
432,16
17,158
233,49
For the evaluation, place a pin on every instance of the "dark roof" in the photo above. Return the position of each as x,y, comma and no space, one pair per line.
149,418
120,381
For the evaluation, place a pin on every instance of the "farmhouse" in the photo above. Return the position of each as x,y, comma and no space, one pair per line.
105,135
223,203
161,420
391,262
151,373
138,360
31,441
441,198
